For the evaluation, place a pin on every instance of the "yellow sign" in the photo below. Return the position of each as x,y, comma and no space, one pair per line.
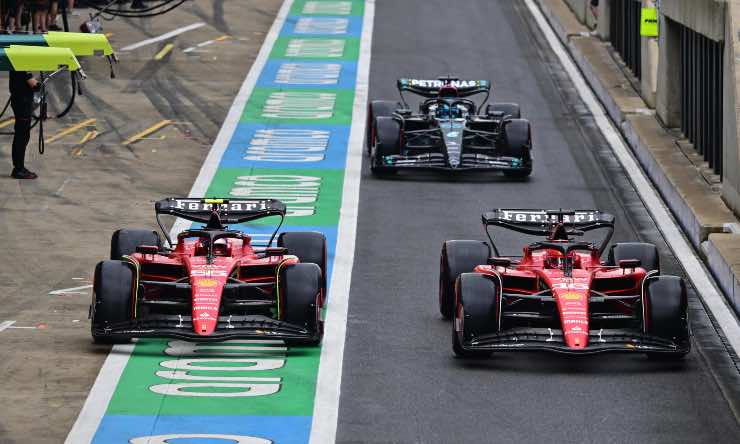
649,22
571,296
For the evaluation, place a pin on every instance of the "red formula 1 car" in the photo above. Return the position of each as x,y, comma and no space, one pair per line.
212,283
560,296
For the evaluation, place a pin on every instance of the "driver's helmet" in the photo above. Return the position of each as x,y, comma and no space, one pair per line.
447,111
554,261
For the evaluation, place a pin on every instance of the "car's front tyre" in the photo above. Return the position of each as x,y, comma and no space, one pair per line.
310,247
300,299
113,290
477,312
387,143
457,257
665,314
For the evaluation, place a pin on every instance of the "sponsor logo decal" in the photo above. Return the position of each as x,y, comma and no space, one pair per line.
439,83
207,283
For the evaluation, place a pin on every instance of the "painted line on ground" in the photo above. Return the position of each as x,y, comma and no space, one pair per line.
164,51
164,36
6,324
694,268
72,290
100,395
206,43
70,130
151,130
328,384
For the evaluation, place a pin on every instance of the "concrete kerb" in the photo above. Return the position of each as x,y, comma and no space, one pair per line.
698,234
723,272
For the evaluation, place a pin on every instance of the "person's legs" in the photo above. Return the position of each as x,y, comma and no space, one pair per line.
20,4
52,17
22,110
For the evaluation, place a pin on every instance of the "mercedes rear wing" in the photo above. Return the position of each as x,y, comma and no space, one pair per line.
431,88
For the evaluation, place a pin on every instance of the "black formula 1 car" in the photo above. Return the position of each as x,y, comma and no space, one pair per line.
450,132
560,296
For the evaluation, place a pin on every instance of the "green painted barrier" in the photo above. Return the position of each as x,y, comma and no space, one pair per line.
37,58
81,44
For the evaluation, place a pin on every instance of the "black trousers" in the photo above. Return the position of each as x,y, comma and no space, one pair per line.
23,109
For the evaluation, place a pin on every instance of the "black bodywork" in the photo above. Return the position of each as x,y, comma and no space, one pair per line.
450,131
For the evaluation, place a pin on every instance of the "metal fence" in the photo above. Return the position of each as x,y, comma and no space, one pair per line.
701,101
624,33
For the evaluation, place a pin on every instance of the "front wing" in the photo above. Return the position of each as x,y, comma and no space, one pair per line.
468,162
228,327
600,341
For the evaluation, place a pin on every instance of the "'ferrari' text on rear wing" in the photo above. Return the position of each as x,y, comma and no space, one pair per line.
544,217
230,210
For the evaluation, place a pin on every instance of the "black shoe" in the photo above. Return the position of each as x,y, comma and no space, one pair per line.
22,173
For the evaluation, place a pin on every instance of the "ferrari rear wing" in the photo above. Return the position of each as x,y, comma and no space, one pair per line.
541,222
230,211
538,222
431,88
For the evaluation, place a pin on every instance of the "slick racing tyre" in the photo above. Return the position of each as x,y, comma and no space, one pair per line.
310,247
647,254
300,297
458,256
113,290
477,311
378,108
387,142
509,110
518,143
665,313
124,242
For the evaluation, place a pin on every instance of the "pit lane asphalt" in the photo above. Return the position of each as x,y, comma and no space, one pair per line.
400,382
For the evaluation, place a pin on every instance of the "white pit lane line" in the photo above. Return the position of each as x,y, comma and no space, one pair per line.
712,298
164,36
326,402
6,325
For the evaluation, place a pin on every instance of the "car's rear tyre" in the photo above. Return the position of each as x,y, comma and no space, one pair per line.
377,108
509,110
387,143
665,313
310,247
125,241
646,253
518,143
300,294
457,257
113,289
477,311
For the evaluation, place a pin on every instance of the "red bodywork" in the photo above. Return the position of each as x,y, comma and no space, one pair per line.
571,289
234,258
